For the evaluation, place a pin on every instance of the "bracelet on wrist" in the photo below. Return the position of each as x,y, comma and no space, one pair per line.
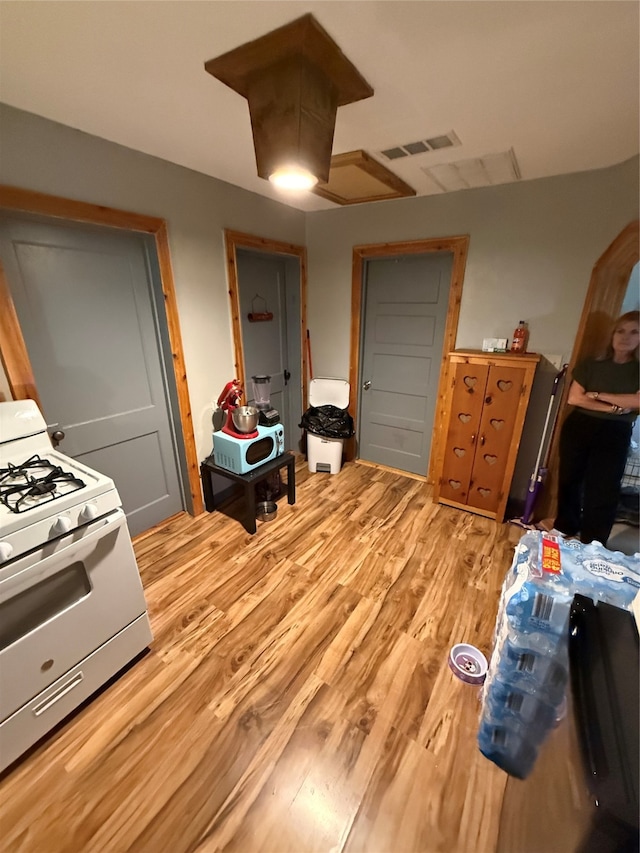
595,395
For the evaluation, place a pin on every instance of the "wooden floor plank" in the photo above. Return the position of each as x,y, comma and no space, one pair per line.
297,695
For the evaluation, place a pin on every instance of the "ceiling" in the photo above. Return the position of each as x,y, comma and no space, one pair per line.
554,83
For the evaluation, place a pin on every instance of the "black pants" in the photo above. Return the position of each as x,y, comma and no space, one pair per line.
593,453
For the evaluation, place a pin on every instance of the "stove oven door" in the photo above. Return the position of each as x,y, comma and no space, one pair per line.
63,601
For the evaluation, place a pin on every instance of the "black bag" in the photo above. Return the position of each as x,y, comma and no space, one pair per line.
328,421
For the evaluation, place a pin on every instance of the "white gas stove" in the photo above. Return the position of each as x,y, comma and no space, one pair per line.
44,494
72,608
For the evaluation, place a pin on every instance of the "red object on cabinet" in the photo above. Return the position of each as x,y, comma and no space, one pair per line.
520,338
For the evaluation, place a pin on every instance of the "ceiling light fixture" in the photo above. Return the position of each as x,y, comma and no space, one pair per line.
293,178
294,79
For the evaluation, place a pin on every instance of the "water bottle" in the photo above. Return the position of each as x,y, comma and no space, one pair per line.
608,576
536,664
508,747
525,555
506,703
539,599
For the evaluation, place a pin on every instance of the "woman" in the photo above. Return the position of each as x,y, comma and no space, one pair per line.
594,441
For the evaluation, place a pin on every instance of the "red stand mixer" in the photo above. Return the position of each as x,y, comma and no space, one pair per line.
229,402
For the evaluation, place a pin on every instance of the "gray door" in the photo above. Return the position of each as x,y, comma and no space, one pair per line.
85,301
270,284
405,311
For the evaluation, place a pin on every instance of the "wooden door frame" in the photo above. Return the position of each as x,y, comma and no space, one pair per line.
459,248
234,240
13,351
607,288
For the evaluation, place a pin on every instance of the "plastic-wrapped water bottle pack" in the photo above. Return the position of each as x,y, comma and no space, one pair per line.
523,696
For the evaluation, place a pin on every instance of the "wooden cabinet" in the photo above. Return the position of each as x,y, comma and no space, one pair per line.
485,406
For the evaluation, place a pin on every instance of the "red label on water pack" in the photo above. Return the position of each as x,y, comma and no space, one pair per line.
550,555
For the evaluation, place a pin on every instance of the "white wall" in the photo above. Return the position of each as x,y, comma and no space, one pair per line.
41,155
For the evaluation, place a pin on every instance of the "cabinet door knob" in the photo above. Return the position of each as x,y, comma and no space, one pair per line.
473,438
481,440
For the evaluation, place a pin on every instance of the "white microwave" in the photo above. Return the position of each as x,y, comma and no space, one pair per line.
242,455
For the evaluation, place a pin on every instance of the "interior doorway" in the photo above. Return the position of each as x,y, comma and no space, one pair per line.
603,303
14,351
625,534
404,314
454,250
267,290
87,301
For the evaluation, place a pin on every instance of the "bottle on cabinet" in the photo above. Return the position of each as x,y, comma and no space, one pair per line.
520,338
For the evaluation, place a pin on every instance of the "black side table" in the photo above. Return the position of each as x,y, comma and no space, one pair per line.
248,483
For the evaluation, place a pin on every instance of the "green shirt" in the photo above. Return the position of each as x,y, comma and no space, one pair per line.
608,377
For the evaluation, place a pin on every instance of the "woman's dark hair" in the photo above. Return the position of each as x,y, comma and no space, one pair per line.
628,317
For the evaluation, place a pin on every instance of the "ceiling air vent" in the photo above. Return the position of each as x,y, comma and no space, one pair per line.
433,143
484,171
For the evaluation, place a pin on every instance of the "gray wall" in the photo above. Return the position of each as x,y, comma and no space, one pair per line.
41,155
531,253
532,248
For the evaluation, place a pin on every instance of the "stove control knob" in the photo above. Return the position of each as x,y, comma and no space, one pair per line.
88,512
62,524
6,550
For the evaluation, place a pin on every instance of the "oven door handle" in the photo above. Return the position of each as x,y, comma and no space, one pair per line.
25,573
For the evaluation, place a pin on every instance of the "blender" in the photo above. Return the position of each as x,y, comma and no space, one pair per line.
262,400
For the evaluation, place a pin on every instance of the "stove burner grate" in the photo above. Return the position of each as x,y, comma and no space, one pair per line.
21,491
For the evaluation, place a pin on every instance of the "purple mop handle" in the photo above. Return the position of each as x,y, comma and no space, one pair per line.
535,483
554,391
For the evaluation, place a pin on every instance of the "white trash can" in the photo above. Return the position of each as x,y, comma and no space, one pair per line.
324,455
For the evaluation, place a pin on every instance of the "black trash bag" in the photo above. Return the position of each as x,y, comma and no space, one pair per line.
328,421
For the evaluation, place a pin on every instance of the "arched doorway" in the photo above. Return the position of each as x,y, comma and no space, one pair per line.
602,305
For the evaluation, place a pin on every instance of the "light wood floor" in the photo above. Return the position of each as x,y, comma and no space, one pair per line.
297,695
